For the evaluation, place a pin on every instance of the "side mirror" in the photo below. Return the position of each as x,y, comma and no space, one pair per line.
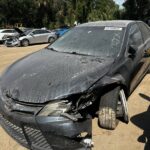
132,51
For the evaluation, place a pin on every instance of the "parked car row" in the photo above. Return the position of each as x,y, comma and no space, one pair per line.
32,36
4,33
17,37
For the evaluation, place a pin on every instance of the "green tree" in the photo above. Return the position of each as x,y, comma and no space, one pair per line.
137,9
18,11
54,13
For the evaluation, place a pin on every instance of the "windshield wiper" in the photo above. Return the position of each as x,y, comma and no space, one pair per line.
75,53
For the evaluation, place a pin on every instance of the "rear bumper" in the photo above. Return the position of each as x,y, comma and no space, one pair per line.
44,133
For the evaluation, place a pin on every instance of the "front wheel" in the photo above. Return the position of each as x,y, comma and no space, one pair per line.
25,42
107,116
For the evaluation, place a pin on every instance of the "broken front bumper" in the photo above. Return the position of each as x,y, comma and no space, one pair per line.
44,133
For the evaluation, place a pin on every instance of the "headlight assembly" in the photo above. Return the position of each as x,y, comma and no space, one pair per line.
55,108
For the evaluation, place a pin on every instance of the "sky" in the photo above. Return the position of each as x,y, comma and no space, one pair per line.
120,2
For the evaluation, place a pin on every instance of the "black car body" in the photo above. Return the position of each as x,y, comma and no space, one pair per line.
48,98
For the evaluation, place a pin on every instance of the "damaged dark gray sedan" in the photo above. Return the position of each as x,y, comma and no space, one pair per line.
48,98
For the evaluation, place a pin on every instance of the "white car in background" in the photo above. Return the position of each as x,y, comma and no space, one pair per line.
4,33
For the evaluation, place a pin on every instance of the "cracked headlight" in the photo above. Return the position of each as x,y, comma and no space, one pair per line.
55,108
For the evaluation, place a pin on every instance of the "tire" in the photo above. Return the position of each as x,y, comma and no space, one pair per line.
25,42
107,116
51,39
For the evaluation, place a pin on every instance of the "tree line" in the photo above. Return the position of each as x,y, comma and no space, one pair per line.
137,10
55,13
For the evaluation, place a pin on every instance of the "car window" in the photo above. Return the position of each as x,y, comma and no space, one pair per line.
36,32
14,31
145,31
8,31
44,31
135,36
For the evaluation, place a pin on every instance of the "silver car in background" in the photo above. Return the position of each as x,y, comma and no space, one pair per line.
4,33
35,36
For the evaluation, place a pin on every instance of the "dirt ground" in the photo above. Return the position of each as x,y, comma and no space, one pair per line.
134,136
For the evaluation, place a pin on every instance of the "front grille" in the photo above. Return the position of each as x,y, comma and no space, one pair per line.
30,137
9,43
36,138
15,131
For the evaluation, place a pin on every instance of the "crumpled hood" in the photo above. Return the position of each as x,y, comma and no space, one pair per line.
47,75
20,32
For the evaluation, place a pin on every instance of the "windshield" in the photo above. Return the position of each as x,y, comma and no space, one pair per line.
96,41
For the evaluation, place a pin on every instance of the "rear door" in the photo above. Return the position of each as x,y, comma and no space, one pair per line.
36,37
44,36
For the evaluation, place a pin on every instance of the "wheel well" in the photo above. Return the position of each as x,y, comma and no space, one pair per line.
26,40
109,86
103,90
51,37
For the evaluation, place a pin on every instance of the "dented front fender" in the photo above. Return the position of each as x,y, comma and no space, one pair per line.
107,80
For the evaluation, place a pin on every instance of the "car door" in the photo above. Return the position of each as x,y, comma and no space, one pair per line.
136,55
44,36
36,36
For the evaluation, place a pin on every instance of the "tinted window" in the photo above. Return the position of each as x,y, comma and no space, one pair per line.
145,31
135,36
96,41
36,32
44,31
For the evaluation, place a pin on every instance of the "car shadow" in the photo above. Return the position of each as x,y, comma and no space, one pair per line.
142,121
145,97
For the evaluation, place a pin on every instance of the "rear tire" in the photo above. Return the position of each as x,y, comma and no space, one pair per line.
25,42
107,116
51,39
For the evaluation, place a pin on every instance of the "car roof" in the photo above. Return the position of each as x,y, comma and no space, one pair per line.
38,29
113,23
5,29
1,30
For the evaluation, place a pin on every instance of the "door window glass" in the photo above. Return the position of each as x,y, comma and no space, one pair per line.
145,31
36,32
135,36
44,31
